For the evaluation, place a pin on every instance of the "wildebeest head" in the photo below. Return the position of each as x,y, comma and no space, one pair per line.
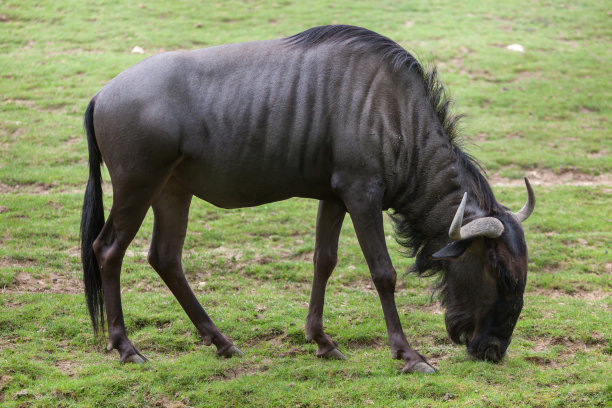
485,273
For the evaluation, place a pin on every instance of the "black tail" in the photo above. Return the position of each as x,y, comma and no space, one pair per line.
92,221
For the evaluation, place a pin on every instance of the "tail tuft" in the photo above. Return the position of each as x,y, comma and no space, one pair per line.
92,221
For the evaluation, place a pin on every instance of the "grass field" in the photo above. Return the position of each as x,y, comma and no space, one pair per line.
545,113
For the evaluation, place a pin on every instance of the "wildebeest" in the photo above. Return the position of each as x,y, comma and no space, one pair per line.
336,113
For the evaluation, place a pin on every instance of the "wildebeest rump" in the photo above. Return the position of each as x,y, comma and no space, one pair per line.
336,113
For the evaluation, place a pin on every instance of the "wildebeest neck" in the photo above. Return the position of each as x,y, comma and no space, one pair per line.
440,172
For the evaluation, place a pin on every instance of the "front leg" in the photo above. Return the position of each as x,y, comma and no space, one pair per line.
364,206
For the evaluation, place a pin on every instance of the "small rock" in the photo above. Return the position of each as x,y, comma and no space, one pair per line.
448,396
3,209
198,25
137,50
516,47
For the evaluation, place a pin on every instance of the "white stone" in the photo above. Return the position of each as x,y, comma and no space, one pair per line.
137,50
516,47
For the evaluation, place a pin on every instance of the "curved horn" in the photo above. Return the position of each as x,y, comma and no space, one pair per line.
482,227
527,209
455,229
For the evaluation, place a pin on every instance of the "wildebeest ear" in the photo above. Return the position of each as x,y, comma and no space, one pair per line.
452,251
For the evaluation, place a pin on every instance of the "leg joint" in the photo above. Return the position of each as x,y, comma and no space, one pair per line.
108,255
325,259
384,279
161,262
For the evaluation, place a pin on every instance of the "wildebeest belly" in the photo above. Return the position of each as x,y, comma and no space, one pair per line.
229,184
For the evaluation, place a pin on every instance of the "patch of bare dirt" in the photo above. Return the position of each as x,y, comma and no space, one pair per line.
36,188
8,342
375,343
595,295
227,252
565,349
595,299
47,188
301,256
16,263
480,137
456,64
165,402
23,282
68,367
30,104
522,75
241,370
587,109
544,177
272,337
598,154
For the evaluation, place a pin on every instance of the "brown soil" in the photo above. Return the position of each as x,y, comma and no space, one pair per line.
35,188
590,295
30,104
566,349
47,188
53,283
543,177
68,366
8,342
241,370
594,298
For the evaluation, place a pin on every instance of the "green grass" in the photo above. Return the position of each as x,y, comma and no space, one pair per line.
546,110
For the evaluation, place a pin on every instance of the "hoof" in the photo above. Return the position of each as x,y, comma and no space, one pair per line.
333,354
230,352
235,351
420,367
136,359
207,340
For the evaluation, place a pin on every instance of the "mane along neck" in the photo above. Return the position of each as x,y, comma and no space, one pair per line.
422,220
364,40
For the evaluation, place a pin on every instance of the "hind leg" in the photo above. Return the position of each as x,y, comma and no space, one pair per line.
123,222
133,194
171,210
